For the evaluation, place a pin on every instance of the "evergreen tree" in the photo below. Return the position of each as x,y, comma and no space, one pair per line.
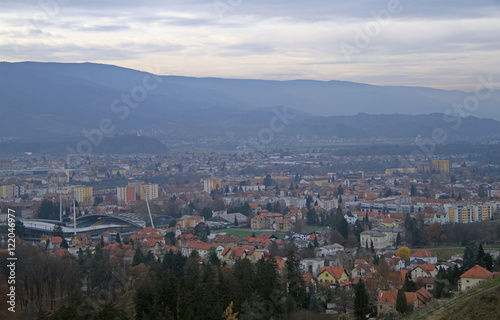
344,228
138,257
64,243
294,280
401,303
470,255
413,190
314,305
213,257
361,301
480,260
488,262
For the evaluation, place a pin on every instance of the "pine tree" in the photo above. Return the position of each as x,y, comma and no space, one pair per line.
401,303
361,301
480,260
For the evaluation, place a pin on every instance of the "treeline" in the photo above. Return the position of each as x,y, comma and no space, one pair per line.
184,288
99,286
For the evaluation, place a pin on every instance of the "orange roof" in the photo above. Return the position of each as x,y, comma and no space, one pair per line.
200,245
280,262
307,277
477,272
410,297
56,240
387,296
422,253
424,295
360,261
61,253
336,272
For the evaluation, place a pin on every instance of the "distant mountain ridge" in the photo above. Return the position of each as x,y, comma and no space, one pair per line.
51,101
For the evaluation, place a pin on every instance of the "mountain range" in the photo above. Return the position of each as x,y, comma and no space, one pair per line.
58,101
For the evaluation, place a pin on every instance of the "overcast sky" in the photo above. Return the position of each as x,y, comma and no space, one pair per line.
441,44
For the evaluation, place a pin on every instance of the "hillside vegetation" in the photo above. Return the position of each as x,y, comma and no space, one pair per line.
482,302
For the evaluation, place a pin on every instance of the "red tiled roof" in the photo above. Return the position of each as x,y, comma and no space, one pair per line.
477,272
422,253
387,296
336,272
424,295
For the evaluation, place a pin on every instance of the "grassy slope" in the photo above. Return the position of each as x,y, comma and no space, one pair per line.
480,303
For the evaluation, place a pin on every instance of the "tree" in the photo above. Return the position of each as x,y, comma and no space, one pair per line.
64,243
401,303
268,181
480,260
57,231
482,192
236,224
388,193
229,314
344,228
206,213
413,190
19,229
98,200
435,233
361,301
404,253
213,257
314,305
309,201
470,255
294,280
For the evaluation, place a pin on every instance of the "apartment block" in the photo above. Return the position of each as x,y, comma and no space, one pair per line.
125,195
84,195
149,190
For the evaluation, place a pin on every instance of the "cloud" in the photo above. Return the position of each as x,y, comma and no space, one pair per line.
427,43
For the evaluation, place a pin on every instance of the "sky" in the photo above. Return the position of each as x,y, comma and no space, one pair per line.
430,43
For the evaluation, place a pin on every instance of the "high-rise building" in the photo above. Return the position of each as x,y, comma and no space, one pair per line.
482,212
125,195
84,195
441,165
149,190
470,213
8,191
211,184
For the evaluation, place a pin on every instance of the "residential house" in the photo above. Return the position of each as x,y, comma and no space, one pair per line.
424,255
351,217
424,270
313,265
284,225
332,275
386,302
260,222
329,250
362,269
202,248
474,277
311,282
424,297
